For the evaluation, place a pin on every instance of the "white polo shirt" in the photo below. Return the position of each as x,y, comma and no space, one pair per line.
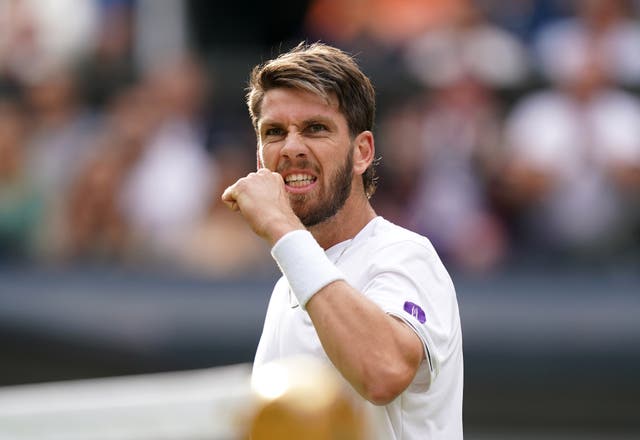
400,271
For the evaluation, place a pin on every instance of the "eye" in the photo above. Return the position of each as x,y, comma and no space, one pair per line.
316,128
274,131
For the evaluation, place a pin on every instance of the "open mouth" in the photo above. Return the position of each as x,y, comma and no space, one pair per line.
299,180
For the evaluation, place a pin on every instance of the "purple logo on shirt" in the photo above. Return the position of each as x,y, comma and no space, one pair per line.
416,311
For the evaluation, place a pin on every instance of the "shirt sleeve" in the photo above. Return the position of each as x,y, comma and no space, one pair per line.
408,281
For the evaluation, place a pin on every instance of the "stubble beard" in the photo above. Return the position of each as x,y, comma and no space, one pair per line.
330,201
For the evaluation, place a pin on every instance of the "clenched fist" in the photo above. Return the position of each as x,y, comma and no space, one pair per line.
261,198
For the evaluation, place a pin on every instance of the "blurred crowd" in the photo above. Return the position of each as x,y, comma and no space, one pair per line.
508,132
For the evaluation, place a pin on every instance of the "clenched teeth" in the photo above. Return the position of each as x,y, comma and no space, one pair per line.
299,179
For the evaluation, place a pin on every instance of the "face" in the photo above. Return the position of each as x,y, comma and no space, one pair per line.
307,141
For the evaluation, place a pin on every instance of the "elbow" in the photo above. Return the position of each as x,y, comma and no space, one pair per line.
383,388
380,395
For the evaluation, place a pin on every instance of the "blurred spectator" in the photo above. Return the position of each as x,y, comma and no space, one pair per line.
110,65
385,23
160,32
524,18
35,35
604,29
439,151
567,148
220,245
20,203
467,44
445,144
97,227
168,190
62,129
61,141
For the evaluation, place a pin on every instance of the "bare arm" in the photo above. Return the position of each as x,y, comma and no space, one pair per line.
378,354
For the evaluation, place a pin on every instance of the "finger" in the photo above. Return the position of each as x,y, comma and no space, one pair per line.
232,205
229,198
268,172
228,194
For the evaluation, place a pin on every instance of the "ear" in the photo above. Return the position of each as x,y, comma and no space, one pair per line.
364,152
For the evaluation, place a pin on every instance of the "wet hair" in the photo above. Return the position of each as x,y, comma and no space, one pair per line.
324,71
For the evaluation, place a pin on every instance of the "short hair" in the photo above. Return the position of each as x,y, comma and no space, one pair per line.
324,71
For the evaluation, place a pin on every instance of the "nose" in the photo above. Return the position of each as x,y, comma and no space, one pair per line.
294,146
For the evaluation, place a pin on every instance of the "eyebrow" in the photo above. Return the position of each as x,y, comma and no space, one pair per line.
312,120
316,119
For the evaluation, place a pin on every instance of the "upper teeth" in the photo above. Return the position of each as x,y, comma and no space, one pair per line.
302,178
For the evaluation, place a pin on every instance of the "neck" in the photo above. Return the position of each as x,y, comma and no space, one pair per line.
348,221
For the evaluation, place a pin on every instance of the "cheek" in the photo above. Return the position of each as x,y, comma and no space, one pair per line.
265,158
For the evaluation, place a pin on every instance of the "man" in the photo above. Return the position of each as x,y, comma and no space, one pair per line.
371,297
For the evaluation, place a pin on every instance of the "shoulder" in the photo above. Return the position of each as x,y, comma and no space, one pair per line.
385,251
386,235
392,248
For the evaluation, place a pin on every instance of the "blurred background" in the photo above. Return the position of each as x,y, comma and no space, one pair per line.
509,134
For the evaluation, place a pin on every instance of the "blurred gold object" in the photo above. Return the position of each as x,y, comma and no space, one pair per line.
304,398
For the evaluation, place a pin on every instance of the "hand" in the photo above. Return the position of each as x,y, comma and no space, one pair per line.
261,198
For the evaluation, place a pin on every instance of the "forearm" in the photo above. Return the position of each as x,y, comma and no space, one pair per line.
376,353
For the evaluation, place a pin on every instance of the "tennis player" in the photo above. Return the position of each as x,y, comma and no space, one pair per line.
368,296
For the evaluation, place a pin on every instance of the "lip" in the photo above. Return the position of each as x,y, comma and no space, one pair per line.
300,189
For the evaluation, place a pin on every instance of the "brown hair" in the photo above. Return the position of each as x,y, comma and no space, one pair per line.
327,72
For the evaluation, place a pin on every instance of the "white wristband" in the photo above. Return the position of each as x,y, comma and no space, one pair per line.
304,264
